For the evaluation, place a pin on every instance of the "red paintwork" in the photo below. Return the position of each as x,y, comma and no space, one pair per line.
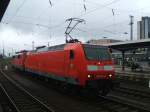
18,60
58,63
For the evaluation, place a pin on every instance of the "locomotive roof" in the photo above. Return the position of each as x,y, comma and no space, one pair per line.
51,48
61,47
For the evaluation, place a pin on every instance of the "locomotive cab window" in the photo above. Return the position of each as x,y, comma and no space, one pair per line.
71,54
96,53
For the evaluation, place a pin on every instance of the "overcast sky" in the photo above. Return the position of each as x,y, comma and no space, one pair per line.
36,20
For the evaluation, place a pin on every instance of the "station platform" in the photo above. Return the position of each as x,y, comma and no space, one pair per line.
137,73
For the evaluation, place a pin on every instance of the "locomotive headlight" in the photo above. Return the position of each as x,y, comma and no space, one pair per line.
110,75
89,76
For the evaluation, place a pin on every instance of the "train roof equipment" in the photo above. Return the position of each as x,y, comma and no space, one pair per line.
69,29
22,51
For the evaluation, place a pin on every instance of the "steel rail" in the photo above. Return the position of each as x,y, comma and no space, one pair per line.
44,106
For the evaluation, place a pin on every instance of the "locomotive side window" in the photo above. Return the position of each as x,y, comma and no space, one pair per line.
71,54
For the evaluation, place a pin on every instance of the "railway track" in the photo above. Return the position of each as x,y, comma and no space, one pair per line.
132,96
106,104
5,103
103,104
22,100
134,92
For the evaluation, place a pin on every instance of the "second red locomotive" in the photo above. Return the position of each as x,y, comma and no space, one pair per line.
83,65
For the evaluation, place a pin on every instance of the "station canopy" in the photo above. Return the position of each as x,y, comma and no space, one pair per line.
130,45
3,7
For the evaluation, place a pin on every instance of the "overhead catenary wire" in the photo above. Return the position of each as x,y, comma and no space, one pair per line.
41,25
17,10
103,6
58,25
113,12
117,9
114,1
84,5
88,31
50,3
48,26
93,10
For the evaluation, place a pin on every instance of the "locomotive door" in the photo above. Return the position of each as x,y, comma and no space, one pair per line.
68,61
23,61
71,62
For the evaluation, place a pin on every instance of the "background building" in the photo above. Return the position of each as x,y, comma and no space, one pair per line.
102,41
143,32
143,28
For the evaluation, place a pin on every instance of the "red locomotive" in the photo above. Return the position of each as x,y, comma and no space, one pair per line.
83,65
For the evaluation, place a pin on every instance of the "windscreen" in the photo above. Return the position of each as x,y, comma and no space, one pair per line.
96,52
